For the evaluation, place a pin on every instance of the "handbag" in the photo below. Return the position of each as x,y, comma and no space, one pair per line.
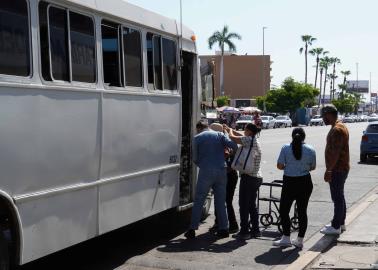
243,159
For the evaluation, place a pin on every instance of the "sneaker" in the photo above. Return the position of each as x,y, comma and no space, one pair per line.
342,227
242,236
190,234
256,234
213,229
233,228
222,234
330,231
283,242
297,243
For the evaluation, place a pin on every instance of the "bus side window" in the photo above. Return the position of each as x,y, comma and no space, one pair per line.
14,38
155,80
132,52
111,53
67,45
169,64
83,48
59,44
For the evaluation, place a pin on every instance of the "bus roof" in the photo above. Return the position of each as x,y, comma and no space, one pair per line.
135,14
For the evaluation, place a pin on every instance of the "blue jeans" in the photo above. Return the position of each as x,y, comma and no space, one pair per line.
337,195
217,180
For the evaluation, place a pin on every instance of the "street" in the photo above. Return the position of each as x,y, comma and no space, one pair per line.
158,243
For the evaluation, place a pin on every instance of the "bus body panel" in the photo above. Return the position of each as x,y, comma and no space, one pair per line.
49,139
131,200
140,132
53,223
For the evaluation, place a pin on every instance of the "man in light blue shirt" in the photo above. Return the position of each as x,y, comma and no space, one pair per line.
208,155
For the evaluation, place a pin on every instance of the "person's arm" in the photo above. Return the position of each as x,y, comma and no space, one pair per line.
228,142
233,135
313,164
195,152
281,160
333,149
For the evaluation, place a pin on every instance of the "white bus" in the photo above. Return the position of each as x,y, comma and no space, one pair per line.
98,101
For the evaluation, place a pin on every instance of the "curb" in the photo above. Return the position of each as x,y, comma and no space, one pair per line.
320,243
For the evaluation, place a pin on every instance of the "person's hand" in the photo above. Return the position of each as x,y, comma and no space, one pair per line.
328,176
226,128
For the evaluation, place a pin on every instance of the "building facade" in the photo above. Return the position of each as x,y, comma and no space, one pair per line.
245,77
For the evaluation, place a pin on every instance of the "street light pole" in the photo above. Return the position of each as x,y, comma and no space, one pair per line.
263,62
264,27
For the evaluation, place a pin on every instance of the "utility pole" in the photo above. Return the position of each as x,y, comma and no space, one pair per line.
263,61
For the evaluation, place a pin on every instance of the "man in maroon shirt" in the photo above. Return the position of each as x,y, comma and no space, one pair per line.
337,167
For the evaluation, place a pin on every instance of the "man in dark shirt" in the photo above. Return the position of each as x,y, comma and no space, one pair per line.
337,167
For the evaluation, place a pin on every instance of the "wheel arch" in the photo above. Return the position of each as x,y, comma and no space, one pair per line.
11,217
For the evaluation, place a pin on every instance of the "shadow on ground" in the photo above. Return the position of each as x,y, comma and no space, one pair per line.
111,250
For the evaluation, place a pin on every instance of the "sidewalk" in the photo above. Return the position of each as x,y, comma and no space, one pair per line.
357,247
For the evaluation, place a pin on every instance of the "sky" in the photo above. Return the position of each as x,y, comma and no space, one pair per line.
348,29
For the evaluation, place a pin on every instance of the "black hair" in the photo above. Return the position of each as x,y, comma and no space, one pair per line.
252,127
201,124
298,136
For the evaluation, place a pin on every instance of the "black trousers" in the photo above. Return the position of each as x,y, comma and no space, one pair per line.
297,189
247,202
232,180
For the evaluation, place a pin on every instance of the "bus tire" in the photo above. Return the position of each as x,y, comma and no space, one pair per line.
206,207
4,253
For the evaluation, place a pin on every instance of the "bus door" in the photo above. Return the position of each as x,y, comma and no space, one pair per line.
188,92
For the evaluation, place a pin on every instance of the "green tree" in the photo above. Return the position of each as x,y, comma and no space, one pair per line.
343,88
223,101
289,97
344,105
223,37
349,103
317,52
308,40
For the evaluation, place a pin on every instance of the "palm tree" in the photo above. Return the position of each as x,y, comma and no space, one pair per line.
344,88
334,61
320,82
345,73
325,63
332,88
308,40
223,37
317,52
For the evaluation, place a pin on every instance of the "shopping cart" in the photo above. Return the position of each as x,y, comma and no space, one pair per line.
272,217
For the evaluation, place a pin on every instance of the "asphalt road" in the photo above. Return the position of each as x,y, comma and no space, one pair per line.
158,243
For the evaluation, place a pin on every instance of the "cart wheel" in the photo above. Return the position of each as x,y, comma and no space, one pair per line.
294,223
266,220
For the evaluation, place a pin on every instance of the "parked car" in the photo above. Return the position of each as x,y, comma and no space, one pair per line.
364,118
243,121
369,142
317,120
283,121
373,118
268,121
349,119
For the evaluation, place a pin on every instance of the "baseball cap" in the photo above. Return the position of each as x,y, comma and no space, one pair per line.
329,108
